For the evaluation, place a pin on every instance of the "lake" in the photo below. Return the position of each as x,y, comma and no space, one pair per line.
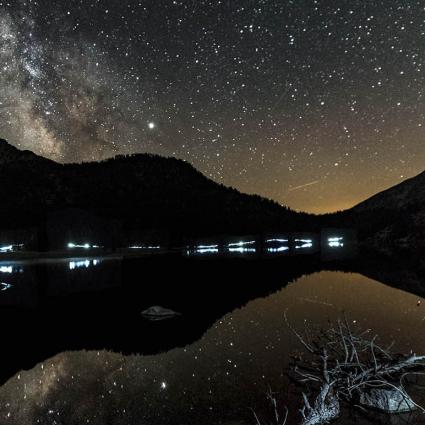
77,350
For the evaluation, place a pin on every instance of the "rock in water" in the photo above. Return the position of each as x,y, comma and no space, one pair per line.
387,400
159,313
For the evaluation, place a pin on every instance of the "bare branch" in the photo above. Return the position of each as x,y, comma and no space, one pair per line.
343,364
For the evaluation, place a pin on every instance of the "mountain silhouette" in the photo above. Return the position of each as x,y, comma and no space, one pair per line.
9,153
125,200
152,199
395,216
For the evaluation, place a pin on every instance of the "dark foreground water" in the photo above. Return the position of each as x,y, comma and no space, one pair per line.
91,357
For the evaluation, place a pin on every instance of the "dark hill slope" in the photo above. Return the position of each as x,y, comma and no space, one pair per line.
134,197
394,217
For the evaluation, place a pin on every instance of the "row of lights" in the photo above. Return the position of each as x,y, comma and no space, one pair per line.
72,245
333,242
85,246
247,246
10,248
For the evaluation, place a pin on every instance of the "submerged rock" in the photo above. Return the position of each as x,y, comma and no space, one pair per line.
159,313
389,400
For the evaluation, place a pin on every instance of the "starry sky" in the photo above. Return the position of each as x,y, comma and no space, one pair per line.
317,104
220,377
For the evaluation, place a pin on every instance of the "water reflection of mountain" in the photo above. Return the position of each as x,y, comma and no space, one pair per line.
399,270
220,376
49,312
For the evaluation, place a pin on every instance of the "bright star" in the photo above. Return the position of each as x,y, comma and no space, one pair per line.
151,125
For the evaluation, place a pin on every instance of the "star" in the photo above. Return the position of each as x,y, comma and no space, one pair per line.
263,99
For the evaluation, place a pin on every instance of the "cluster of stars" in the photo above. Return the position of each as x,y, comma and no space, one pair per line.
266,97
211,380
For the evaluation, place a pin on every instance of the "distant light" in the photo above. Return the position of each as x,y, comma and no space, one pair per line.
207,251
144,247
163,385
151,125
335,242
85,246
8,248
305,243
277,240
241,243
6,269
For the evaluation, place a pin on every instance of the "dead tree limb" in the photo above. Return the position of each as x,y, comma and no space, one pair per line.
342,364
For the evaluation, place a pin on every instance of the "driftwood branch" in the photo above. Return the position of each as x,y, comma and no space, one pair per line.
280,415
342,364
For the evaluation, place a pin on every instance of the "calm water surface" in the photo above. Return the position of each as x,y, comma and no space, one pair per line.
218,365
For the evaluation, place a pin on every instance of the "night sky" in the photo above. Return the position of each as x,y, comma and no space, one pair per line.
317,104
222,376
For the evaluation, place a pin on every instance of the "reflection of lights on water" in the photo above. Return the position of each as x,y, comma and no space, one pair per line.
11,269
206,251
242,250
241,243
5,286
278,249
6,269
82,264
305,243
78,264
336,242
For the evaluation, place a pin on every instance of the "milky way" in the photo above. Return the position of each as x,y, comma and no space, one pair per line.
317,104
214,379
